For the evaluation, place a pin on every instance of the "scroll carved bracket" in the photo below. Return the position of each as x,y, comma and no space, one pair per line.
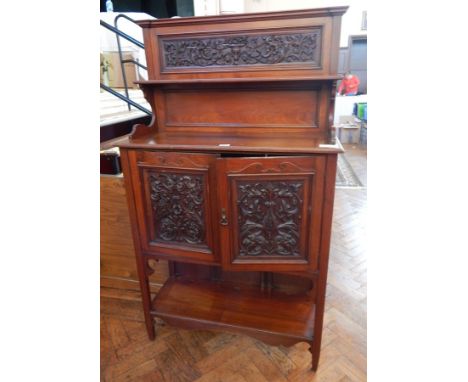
140,130
150,266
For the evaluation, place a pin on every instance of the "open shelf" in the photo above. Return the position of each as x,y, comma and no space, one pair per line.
213,305
219,142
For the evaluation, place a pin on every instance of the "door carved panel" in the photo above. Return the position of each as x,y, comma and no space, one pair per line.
178,205
269,218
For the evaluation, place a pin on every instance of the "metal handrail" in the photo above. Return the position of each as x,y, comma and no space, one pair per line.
125,17
122,34
126,99
123,61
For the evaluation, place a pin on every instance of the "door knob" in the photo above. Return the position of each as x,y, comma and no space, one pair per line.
223,220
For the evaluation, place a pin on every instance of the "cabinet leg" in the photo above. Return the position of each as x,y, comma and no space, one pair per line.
315,358
150,327
146,297
146,270
149,320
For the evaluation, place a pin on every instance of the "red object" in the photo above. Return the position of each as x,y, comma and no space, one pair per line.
350,85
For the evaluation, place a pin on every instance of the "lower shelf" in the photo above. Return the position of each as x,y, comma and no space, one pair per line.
277,319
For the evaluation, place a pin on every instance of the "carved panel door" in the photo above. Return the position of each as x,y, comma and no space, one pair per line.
270,212
174,203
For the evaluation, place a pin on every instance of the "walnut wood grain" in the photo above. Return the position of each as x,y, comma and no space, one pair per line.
233,179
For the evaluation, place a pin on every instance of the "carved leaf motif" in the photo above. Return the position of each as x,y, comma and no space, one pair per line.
178,207
269,217
242,50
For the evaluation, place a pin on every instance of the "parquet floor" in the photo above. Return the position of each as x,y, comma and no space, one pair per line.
182,356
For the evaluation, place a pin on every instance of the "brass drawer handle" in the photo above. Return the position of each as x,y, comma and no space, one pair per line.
223,220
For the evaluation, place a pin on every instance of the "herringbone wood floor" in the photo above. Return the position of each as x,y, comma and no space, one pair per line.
181,355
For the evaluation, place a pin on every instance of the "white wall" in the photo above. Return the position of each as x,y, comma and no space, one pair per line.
206,7
351,22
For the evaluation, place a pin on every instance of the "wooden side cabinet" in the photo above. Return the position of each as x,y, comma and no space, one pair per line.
233,180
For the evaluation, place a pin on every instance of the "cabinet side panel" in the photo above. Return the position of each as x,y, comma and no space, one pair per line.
118,266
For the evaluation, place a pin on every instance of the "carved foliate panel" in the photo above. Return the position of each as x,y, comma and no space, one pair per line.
242,50
270,216
178,207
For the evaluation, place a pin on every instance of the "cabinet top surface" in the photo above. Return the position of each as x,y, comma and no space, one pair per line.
315,12
253,143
